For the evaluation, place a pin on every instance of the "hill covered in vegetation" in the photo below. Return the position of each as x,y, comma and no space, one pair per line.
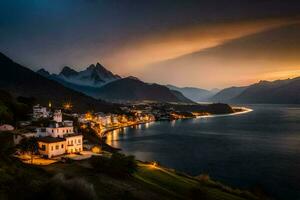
84,180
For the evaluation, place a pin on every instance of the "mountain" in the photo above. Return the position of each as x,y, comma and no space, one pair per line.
21,81
226,95
92,76
67,72
195,94
114,88
132,89
273,92
264,92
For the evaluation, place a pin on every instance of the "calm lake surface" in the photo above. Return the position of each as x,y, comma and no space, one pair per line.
259,149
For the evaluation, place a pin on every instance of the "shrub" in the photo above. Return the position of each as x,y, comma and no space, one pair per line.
118,165
59,187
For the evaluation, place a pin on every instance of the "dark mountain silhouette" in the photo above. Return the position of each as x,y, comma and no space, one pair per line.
132,89
268,92
275,92
227,94
21,81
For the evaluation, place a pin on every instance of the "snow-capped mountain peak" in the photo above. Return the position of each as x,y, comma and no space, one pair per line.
94,76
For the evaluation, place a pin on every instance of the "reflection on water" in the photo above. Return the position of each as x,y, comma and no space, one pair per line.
259,149
121,133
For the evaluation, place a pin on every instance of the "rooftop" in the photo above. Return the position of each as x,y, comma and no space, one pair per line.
49,139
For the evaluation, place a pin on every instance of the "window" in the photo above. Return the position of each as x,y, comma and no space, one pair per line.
52,130
57,147
51,148
62,146
43,147
79,141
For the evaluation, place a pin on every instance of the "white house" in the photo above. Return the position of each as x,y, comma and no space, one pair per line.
57,116
59,137
40,112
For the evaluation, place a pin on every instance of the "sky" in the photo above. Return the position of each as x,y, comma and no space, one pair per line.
207,44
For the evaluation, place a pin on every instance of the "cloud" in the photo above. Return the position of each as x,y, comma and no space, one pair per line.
185,40
268,55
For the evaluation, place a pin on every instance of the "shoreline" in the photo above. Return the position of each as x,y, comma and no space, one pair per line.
243,110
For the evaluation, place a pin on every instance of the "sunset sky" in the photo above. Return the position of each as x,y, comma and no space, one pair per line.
207,44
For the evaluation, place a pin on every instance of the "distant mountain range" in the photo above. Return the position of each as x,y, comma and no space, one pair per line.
227,94
268,92
195,94
98,82
21,81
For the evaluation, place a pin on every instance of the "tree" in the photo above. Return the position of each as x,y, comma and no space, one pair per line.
30,146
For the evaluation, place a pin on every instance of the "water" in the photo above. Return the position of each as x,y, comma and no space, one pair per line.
260,149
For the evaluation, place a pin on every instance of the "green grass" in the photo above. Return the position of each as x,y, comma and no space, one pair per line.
149,183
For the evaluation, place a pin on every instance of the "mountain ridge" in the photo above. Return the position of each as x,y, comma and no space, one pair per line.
193,93
139,90
21,81
284,91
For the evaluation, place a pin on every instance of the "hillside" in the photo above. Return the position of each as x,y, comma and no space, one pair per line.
132,89
78,180
226,95
273,92
195,94
21,81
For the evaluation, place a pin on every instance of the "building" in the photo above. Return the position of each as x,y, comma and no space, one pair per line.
40,112
58,138
6,127
57,116
51,146
73,143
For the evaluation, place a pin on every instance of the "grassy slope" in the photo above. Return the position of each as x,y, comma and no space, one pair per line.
20,181
148,183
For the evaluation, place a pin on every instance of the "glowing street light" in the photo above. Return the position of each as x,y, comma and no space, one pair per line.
67,106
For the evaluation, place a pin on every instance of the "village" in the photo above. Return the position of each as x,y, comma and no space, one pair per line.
58,134
54,135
